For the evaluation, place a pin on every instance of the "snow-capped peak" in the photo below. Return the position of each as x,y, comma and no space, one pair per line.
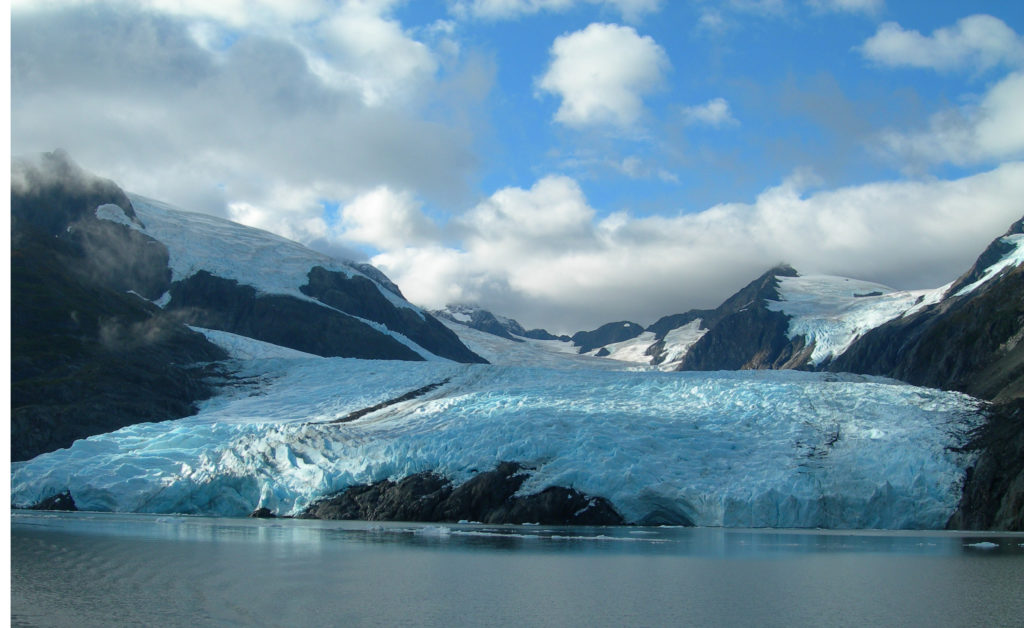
1012,258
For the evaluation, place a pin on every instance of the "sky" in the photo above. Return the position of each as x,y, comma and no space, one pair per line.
563,162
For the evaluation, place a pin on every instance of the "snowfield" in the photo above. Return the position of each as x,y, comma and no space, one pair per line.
833,312
747,449
253,257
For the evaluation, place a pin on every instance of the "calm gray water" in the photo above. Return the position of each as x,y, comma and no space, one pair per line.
80,569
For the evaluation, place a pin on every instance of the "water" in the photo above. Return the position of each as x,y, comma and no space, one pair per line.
87,569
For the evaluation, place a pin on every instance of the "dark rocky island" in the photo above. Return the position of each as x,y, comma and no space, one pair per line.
488,497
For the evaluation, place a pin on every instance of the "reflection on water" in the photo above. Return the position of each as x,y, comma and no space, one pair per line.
97,569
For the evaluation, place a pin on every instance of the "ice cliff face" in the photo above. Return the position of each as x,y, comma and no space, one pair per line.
735,449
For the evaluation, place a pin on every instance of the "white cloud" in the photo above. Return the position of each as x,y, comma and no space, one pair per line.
371,53
978,42
714,112
241,126
631,10
386,220
602,73
352,45
993,129
544,256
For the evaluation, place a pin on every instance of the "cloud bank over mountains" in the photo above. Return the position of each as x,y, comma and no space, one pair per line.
546,245
634,159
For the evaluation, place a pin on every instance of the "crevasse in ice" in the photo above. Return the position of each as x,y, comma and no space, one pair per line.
782,449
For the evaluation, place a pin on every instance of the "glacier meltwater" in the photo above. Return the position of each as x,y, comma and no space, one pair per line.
748,449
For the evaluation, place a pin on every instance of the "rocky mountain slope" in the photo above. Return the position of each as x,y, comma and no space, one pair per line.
485,321
964,336
105,287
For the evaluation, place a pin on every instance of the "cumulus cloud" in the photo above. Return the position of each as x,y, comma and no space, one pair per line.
631,10
714,112
992,129
601,73
385,219
371,53
544,256
977,42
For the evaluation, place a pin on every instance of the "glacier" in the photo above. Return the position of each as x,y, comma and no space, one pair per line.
741,449
832,312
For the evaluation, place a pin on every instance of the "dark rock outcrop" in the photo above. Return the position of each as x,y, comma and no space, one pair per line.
482,320
60,501
358,296
971,342
543,334
488,497
205,300
606,334
488,322
87,356
744,334
993,496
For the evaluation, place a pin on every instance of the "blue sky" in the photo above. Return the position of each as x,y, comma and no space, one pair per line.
565,162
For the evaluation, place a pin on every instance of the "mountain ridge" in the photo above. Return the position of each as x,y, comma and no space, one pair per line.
107,285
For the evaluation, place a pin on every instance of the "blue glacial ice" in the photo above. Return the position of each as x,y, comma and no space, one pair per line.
745,449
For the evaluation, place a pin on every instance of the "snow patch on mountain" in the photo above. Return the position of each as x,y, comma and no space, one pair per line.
554,354
245,348
1014,258
769,448
632,350
114,213
269,263
678,342
832,312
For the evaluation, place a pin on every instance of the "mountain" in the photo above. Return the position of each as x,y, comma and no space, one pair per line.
485,321
963,336
607,334
969,340
164,361
107,289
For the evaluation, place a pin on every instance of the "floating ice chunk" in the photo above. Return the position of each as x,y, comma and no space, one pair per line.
983,545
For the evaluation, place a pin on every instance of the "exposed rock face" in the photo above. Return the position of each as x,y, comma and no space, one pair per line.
970,343
488,322
358,296
488,497
87,357
482,320
543,334
745,334
993,497
60,501
607,334
206,300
